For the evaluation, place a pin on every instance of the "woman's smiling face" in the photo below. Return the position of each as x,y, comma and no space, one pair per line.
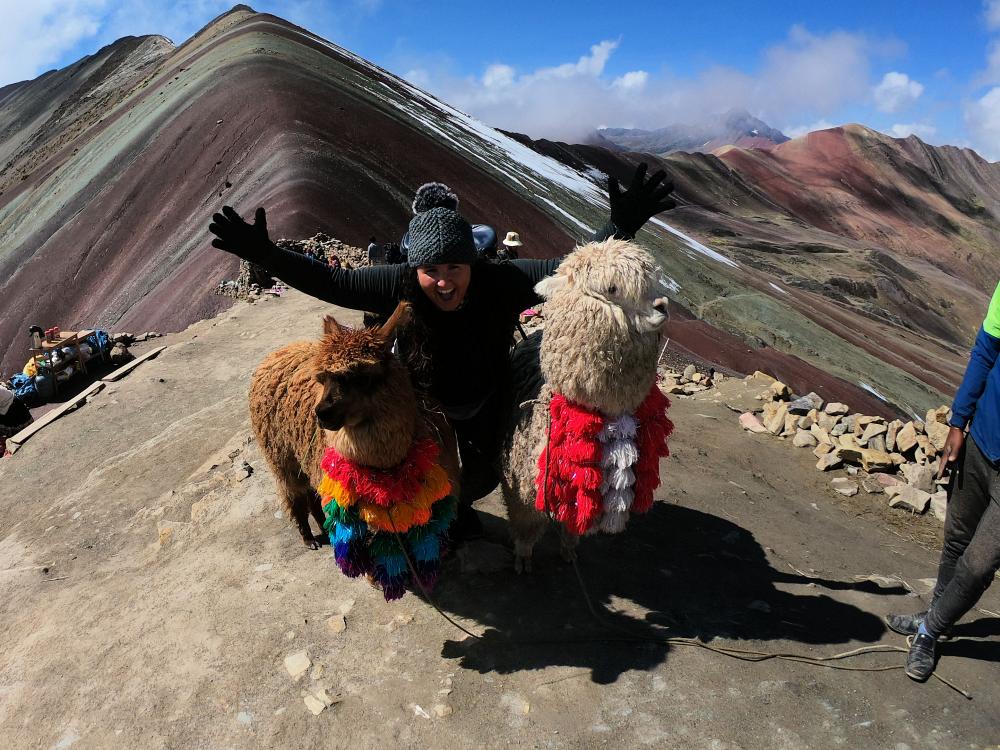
445,284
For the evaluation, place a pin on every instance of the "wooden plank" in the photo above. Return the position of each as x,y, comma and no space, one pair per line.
125,369
53,415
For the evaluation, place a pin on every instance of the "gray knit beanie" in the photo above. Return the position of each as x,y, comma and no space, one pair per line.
440,235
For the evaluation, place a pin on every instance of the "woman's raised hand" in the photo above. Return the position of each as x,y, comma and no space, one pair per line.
643,200
247,241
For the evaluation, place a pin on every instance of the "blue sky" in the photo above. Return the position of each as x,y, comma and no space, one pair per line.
558,69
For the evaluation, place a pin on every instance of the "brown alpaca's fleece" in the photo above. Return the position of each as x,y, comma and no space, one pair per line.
599,348
284,392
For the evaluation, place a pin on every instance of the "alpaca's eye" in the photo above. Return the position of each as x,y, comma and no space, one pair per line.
612,289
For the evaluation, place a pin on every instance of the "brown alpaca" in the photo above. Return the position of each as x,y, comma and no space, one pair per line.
345,391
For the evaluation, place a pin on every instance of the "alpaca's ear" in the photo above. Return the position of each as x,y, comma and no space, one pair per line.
331,327
550,285
400,317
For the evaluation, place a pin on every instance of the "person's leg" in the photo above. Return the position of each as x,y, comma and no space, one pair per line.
968,496
968,499
973,573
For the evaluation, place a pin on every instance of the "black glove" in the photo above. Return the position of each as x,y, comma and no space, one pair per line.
643,199
247,241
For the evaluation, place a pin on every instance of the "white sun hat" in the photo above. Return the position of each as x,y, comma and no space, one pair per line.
512,240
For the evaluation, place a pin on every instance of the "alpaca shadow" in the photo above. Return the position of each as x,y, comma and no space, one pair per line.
675,572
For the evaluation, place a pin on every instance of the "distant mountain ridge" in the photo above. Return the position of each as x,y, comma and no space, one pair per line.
735,128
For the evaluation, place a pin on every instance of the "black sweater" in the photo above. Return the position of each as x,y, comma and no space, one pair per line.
468,348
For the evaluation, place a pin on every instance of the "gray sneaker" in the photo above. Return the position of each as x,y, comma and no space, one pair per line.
906,624
909,624
920,660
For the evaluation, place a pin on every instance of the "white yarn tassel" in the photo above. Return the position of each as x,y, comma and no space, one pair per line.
620,453
614,523
623,427
617,501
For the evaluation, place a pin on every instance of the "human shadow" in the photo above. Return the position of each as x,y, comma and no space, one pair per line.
675,572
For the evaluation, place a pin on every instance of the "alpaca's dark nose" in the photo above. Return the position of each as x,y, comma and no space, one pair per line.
330,417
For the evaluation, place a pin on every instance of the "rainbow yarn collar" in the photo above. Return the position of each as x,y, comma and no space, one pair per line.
370,512
601,469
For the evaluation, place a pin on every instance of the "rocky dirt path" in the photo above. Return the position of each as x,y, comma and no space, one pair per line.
150,593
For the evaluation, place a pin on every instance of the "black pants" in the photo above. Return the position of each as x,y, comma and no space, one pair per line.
478,441
971,553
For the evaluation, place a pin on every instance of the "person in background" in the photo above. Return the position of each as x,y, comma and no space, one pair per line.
14,417
374,251
334,261
970,556
510,243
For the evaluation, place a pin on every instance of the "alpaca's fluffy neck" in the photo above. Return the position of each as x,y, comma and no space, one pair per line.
380,443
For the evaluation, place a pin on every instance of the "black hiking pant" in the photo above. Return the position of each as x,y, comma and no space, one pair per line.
478,440
971,553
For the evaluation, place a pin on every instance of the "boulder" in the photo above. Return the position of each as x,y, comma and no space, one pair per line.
804,404
844,486
822,449
827,421
835,407
890,434
688,372
906,438
692,388
839,429
874,461
750,422
939,415
759,376
871,430
804,439
849,455
877,443
791,425
847,440
920,477
779,391
937,434
774,417
828,461
898,459
939,505
872,486
821,434
887,480
912,499
697,377
805,422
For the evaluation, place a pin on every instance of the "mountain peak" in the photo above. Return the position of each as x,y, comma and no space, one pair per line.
735,127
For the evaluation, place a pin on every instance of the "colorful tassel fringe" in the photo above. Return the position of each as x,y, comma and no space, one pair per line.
601,470
370,511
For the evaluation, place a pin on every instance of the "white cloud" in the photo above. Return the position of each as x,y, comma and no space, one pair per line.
634,80
982,118
34,36
904,129
896,91
992,8
797,131
804,76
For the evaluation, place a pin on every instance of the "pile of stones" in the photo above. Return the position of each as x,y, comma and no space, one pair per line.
688,382
893,457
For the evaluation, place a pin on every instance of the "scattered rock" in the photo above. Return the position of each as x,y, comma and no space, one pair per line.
749,421
939,505
805,422
886,480
829,461
688,373
822,449
890,434
939,416
440,710
774,416
872,486
845,486
874,461
835,407
937,434
827,421
779,391
852,471
297,664
870,431
839,429
317,700
912,499
851,455
821,435
906,438
805,404
804,439
920,477
337,624
847,440
877,443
